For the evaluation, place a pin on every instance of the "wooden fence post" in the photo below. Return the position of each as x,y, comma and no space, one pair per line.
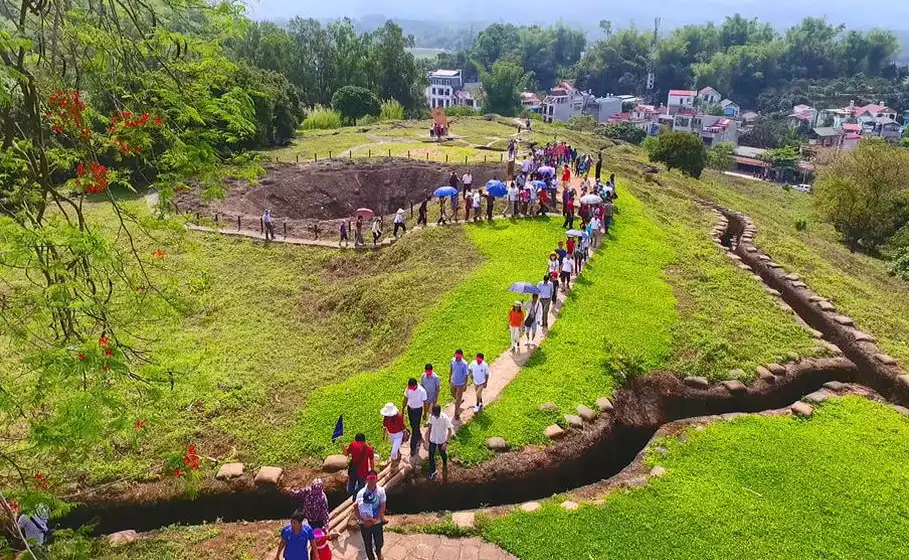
484,158
297,157
370,155
216,218
285,230
329,154
238,223
389,152
446,158
261,226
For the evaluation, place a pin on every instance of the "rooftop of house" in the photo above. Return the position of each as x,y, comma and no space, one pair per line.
446,73
728,102
748,151
852,127
802,108
707,90
620,117
682,93
826,131
749,115
688,113
645,109
801,115
871,108
884,121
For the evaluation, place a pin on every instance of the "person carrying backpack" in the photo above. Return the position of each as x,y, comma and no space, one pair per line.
35,526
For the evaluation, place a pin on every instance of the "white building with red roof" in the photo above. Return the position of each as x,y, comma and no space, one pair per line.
681,98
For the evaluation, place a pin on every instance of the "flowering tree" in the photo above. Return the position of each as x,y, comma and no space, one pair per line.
95,97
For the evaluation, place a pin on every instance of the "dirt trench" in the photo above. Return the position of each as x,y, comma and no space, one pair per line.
876,370
599,451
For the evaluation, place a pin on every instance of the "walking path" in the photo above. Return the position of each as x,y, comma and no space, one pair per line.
415,547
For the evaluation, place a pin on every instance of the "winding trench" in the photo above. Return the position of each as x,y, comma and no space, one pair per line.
601,450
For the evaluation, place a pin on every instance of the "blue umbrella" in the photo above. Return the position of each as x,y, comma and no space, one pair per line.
539,184
575,233
496,188
442,192
524,288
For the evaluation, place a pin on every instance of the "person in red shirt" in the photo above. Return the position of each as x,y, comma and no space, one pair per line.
544,202
566,176
393,425
569,246
362,459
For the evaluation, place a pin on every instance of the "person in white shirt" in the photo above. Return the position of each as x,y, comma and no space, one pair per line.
414,395
567,269
467,182
477,198
534,317
438,433
399,222
595,231
513,194
479,372
526,166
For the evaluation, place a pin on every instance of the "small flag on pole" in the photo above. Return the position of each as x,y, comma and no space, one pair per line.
339,429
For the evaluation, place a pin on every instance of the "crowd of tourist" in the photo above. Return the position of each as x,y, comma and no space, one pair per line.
420,420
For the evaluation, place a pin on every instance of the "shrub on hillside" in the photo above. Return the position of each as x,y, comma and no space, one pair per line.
321,118
391,110
354,102
680,150
461,111
719,156
864,193
582,123
899,267
623,131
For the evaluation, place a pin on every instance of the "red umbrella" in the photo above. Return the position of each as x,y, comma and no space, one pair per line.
365,212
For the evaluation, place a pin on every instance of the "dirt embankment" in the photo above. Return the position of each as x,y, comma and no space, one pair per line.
305,194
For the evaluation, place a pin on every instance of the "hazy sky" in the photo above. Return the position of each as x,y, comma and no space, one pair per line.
892,14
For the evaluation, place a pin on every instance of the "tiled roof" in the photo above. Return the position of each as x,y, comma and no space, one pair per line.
682,92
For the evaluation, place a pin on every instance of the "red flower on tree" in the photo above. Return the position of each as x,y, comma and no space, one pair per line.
41,481
159,254
108,352
103,341
140,424
191,458
81,356
94,178
178,473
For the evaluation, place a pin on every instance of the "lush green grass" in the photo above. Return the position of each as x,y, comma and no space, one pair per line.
472,317
834,486
619,306
402,137
263,327
659,295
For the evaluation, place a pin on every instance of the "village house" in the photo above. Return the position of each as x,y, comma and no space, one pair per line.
447,89
709,96
802,115
565,100
730,108
826,137
716,129
681,98
886,128
531,101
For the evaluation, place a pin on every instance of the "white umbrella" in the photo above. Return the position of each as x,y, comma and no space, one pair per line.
591,199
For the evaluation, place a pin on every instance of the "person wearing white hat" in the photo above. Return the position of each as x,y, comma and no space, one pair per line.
393,426
399,222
